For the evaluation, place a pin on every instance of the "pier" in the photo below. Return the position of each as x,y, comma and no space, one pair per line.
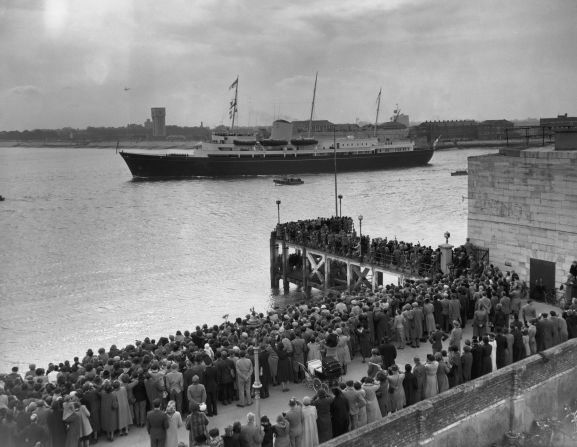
342,261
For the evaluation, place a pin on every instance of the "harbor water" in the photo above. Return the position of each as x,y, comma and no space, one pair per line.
90,257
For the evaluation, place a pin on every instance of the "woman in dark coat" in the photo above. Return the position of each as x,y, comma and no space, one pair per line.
91,398
284,372
410,385
502,351
339,413
487,349
56,425
108,411
363,336
323,402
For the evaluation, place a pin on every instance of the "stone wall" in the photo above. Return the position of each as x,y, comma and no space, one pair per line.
480,412
523,205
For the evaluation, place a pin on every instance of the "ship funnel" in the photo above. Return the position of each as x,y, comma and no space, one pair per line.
282,130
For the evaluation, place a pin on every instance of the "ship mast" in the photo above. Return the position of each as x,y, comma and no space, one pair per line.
313,105
378,108
233,110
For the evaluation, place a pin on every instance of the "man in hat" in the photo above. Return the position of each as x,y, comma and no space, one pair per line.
388,352
250,434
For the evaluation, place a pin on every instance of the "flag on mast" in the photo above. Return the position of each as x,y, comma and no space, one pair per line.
234,84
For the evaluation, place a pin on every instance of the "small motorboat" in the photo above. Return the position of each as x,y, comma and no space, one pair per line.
460,172
288,181
2,199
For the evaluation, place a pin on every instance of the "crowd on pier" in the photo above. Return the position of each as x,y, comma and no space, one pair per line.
337,235
186,378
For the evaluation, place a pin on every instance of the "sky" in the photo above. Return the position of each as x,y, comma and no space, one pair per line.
70,63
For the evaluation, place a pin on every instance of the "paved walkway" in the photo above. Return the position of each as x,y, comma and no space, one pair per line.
278,401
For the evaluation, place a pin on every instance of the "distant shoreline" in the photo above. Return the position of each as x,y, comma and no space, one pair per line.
470,144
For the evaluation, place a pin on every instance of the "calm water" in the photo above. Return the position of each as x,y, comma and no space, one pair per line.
90,258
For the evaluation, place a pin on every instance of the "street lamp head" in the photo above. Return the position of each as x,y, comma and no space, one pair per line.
447,236
340,196
361,217
278,202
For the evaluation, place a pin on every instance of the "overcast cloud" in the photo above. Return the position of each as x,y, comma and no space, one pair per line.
107,62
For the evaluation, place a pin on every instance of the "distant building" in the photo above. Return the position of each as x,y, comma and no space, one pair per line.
158,121
559,123
447,130
148,124
493,129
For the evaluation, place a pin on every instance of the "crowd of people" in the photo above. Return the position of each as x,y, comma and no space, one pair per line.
186,378
337,235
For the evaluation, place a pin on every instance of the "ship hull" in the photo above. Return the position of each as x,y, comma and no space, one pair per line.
167,166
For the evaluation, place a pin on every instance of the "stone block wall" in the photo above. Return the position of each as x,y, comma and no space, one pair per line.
480,412
524,206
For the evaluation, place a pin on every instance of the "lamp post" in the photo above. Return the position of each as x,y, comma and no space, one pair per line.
278,210
361,236
257,385
340,205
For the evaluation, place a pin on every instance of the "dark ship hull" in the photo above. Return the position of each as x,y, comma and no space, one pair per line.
183,165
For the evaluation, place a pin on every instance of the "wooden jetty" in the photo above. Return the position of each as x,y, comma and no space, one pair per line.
316,269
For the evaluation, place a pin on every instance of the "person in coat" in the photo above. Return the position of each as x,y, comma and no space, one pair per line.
124,415
108,411
383,392
74,426
281,432
373,410
421,375
322,402
174,424
466,363
250,434
310,429
388,353
410,386
431,384
340,413
397,399
295,418
211,387
487,362
156,425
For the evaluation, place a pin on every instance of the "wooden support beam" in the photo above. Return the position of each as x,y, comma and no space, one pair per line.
273,260
305,274
285,282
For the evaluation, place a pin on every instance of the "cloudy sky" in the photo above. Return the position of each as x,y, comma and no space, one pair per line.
107,62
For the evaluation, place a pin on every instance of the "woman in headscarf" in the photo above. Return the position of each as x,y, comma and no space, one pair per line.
174,423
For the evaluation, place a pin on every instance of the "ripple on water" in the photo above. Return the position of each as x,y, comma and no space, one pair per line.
90,258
